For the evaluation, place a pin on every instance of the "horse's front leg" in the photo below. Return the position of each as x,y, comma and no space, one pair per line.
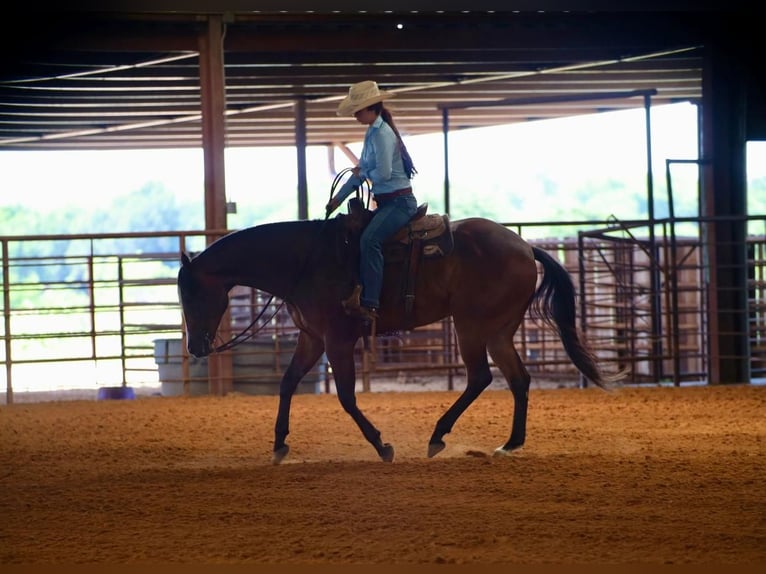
341,357
307,352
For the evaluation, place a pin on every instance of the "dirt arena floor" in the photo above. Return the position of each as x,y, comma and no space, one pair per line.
635,476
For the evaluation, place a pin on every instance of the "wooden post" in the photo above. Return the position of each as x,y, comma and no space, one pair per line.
213,103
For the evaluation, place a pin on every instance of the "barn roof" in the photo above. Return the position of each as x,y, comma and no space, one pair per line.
129,76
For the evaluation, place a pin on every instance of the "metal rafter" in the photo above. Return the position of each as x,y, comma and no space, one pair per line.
123,80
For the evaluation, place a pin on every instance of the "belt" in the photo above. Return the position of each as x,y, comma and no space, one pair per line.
399,192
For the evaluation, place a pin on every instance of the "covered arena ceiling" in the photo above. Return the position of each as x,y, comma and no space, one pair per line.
131,79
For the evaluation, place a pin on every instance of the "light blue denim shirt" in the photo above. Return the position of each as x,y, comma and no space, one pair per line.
381,160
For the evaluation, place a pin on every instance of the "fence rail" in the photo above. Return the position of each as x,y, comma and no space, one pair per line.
87,311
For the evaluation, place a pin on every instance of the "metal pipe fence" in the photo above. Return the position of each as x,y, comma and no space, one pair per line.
91,311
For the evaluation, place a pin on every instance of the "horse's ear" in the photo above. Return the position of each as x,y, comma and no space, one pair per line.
184,259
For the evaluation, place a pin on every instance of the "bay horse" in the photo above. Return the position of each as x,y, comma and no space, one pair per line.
486,283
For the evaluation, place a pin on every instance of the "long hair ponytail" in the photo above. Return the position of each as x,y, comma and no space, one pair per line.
409,166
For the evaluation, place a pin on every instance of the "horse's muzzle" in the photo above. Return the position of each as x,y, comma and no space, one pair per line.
199,347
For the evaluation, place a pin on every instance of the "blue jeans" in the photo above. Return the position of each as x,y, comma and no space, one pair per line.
389,217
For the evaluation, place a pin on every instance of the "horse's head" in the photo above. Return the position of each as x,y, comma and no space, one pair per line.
204,299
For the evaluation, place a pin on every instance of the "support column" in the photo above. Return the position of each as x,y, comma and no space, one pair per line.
724,194
445,132
300,146
213,103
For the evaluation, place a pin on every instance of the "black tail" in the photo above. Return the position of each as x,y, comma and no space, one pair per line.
554,303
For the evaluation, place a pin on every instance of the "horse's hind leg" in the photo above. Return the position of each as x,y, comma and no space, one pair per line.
478,378
504,355
307,352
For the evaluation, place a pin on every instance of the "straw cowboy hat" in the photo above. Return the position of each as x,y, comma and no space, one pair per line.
360,96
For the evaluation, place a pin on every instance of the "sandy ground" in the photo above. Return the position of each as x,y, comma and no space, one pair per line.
637,475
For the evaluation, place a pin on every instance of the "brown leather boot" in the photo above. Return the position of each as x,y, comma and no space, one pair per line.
353,307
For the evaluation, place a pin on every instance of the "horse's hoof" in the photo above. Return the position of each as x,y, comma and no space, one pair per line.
502,451
435,448
279,455
387,453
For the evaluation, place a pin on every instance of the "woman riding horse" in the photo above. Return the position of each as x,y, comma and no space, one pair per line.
387,164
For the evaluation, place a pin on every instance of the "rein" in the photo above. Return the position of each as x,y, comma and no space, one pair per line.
243,335
359,191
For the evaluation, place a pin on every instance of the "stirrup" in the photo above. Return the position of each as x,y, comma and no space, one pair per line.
353,301
366,314
353,306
